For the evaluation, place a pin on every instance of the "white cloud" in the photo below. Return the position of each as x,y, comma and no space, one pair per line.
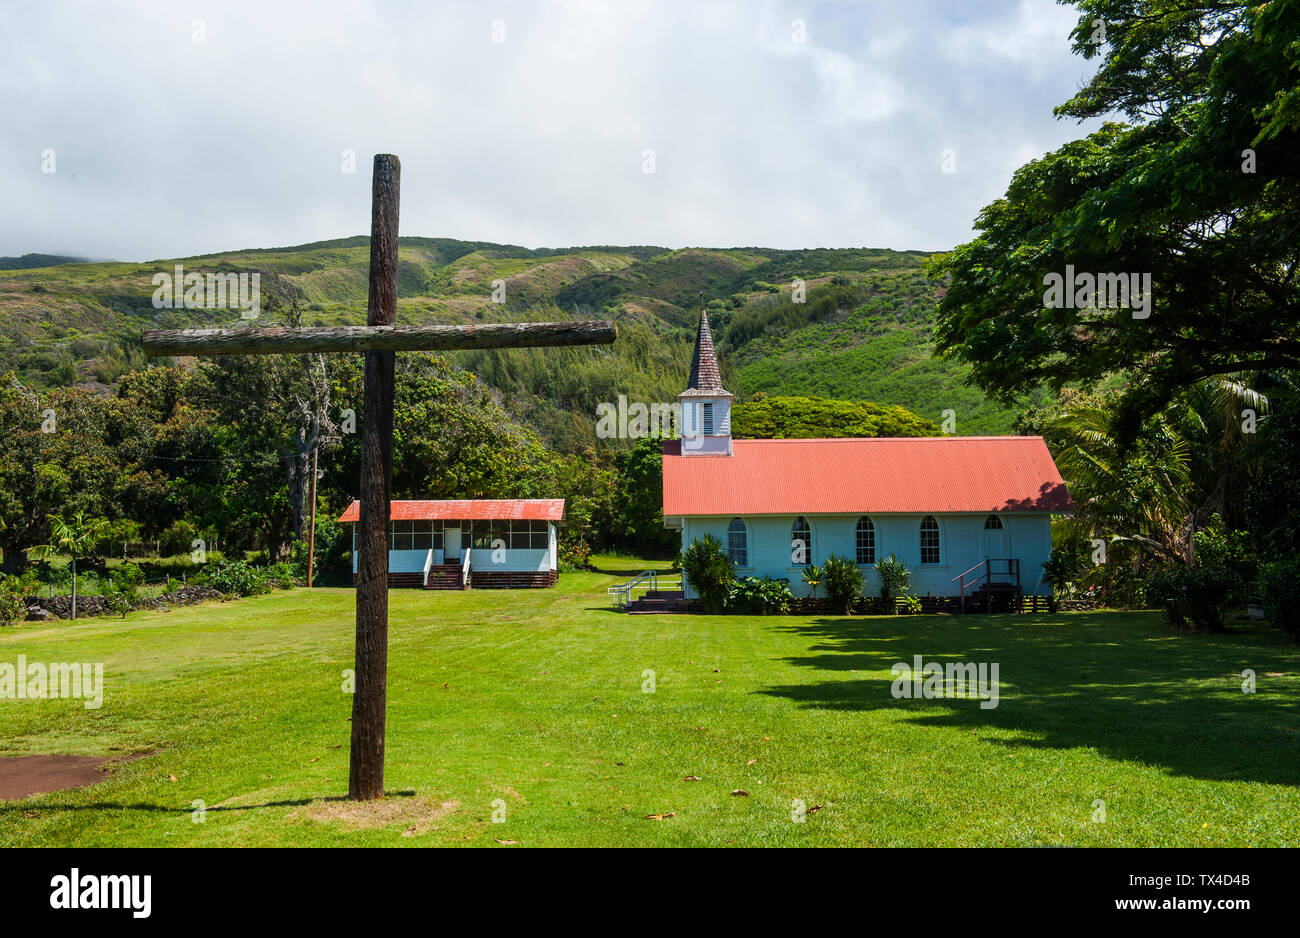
1035,37
168,148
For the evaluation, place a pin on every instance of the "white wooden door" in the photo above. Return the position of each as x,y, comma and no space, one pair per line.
451,545
995,544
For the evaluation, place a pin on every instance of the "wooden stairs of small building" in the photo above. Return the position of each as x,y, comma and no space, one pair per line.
994,597
659,601
512,579
442,576
416,580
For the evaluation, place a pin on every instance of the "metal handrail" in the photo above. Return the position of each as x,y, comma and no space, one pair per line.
1013,569
622,593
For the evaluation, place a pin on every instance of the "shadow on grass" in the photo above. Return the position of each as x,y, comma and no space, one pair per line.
1119,683
167,809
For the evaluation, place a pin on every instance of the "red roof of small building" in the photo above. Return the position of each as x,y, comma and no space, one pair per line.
471,509
858,476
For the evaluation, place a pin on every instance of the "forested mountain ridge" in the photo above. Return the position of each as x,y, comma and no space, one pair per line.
861,333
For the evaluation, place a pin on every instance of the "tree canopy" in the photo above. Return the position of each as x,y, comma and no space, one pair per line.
1195,185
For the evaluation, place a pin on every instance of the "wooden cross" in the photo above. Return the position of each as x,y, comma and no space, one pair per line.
379,339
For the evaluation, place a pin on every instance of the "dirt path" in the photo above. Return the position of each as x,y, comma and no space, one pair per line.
24,776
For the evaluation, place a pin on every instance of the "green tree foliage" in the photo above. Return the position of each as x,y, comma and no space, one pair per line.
781,418
1169,192
1271,506
1279,582
1141,494
637,512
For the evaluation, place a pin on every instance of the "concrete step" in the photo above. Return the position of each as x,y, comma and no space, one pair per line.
644,606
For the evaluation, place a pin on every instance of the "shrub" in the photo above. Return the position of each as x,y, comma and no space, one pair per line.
894,579
708,571
14,591
573,554
177,539
234,578
765,596
911,604
285,576
1230,551
1279,581
843,581
1192,596
122,591
1065,565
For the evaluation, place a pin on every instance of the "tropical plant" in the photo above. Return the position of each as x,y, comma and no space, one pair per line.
234,578
813,575
911,604
75,537
1139,493
14,591
1192,596
123,591
894,579
843,582
1065,564
708,571
760,595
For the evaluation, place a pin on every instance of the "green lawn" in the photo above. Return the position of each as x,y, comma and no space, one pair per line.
535,698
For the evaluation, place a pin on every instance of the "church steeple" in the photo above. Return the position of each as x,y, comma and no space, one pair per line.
704,367
706,404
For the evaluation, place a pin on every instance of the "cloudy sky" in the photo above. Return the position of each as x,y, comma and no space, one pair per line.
184,127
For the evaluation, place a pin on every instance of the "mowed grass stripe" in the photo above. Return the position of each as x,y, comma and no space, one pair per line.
534,697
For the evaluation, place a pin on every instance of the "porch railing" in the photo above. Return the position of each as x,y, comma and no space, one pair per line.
428,563
647,581
464,571
986,574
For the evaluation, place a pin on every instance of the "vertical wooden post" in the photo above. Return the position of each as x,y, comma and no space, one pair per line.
311,530
366,776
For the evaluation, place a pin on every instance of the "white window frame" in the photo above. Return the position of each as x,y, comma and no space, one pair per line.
938,541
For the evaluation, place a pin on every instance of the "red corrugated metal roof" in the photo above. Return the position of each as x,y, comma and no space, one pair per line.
472,509
887,474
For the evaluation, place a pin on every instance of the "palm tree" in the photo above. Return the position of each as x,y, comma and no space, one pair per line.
76,538
1140,494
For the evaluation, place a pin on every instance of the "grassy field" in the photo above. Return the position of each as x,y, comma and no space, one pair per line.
534,700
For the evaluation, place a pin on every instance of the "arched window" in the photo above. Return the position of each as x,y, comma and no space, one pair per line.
738,543
993,523
929,540
866,540
800,542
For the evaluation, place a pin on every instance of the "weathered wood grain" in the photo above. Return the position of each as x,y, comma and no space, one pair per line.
370,694
375,337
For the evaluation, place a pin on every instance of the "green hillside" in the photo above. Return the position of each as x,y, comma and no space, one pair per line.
862,333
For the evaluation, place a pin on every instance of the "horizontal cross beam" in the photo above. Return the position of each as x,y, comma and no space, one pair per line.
286,341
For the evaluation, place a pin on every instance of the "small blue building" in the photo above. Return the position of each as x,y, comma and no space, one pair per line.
958,511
